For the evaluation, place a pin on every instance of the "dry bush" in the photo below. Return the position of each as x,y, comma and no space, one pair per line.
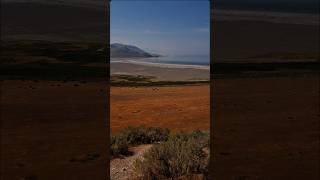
181,156
135,136
119,146
144,135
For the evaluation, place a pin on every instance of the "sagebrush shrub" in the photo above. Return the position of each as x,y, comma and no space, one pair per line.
180,155
135,136
202,137
144,135
119,146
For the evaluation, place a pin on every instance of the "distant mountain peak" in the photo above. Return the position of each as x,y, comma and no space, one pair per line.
119,50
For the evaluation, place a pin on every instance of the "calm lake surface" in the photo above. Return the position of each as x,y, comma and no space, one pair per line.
183,60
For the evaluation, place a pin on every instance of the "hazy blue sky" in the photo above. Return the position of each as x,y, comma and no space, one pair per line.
165,27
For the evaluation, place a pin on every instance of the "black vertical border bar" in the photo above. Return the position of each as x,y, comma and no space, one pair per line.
1,166
107,107
318,12
211,166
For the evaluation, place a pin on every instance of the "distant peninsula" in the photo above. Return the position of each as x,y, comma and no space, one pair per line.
118,50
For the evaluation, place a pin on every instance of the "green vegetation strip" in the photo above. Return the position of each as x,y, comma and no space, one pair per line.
138,80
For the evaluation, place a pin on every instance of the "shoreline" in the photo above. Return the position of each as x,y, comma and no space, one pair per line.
163,65
161,72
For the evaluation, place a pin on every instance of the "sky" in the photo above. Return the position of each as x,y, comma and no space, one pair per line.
163,27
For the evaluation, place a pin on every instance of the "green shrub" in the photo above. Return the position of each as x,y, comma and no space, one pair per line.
119,146
181,155
136,136
202,137
156,134
144,135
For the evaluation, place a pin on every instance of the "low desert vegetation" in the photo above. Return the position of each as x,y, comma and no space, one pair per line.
182,155
119,146
172,156
139,80
131,136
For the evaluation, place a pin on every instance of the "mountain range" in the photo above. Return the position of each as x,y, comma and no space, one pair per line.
118,50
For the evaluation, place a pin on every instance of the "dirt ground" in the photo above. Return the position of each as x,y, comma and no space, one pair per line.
177,107
123,168
264,128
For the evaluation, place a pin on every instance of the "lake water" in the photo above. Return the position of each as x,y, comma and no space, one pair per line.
183,60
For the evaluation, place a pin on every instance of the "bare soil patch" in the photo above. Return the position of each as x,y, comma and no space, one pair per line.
123,168
176,107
